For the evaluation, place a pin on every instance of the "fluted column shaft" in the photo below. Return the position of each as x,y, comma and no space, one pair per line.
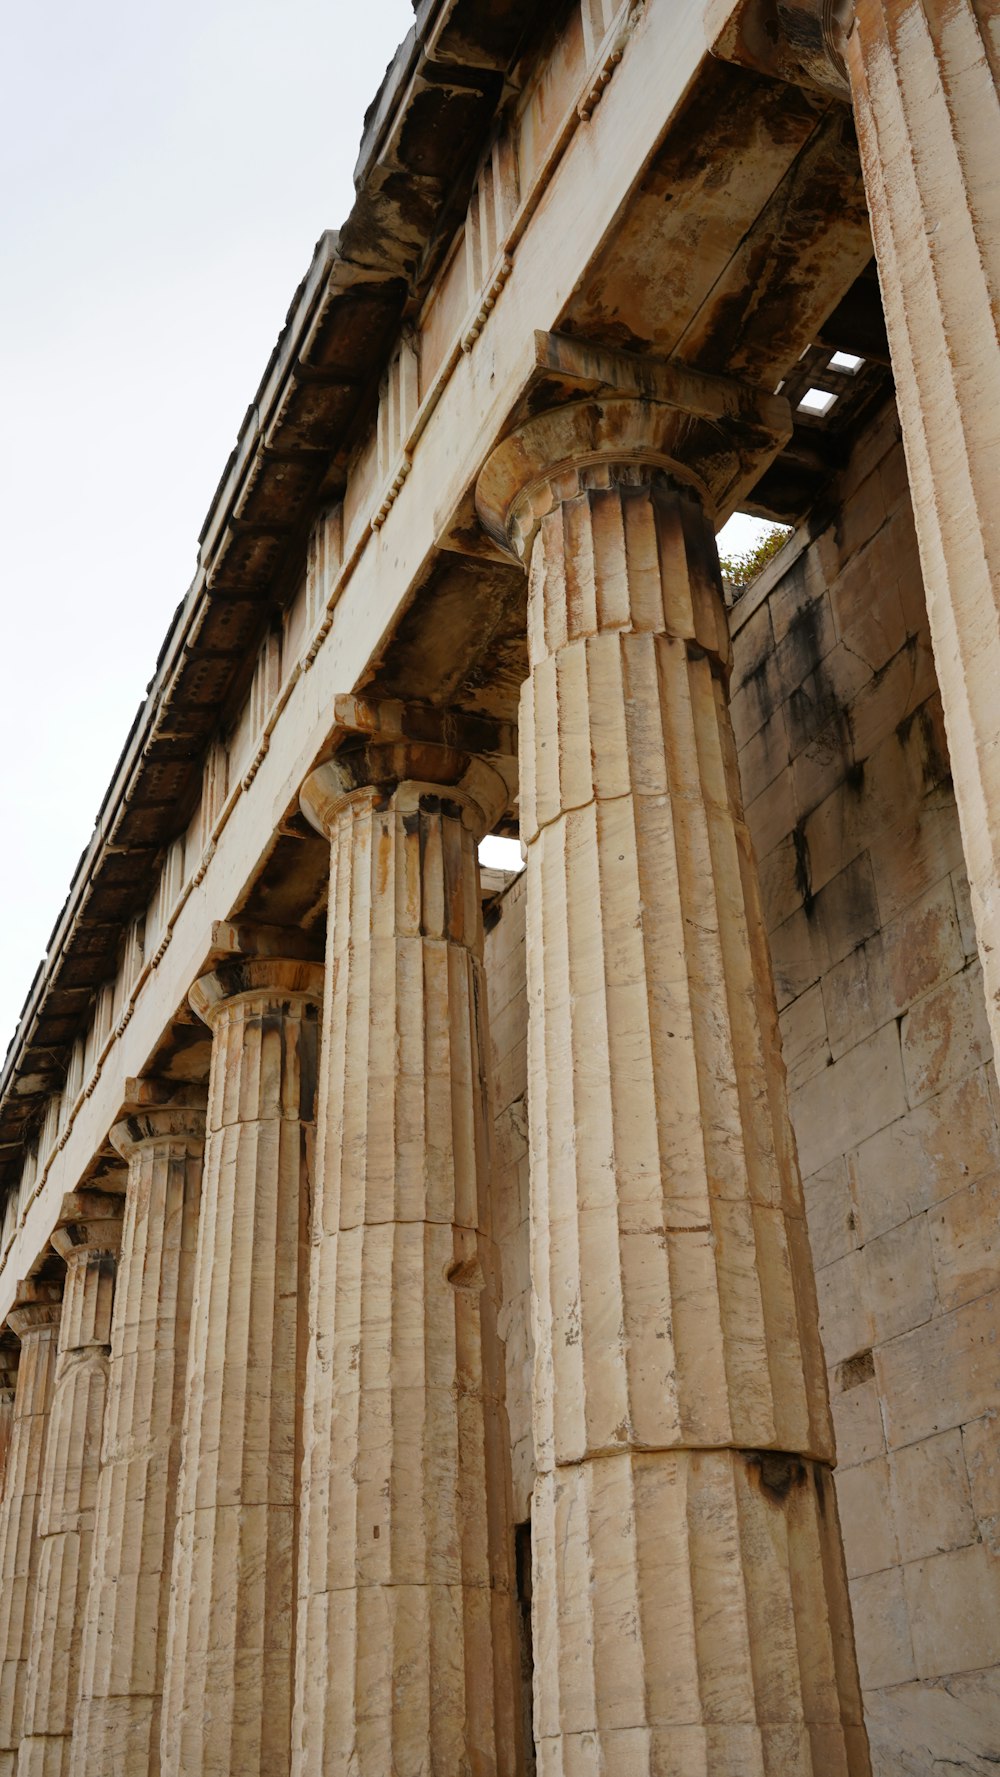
117,1727
690,1604
228,1679
87,1237
9,1353
35,1320
406,1628
926,85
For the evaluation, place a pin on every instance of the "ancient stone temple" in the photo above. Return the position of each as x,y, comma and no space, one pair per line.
470,1323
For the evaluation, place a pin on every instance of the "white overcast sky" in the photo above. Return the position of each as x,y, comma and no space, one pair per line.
166,171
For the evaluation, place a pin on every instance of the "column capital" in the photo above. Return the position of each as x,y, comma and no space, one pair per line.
803,42
280,980
37,1303
414,756
633,419
89,1223
160,1112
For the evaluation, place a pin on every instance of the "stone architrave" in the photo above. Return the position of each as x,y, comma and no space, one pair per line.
406,1646
227,1686
117,1729
34,1318
926,86
87,1236
690,1602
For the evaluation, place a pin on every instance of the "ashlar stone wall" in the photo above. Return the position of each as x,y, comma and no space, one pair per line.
846,778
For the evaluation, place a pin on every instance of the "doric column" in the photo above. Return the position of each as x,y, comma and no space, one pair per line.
35,1320
925,83
228,1681
9,1354
406,1629
87,1236
117,1728
690,1604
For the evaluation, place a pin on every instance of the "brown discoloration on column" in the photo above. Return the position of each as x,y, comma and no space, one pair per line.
406,1647
35,1321
87,1237
117,1728
690,1605
228,1680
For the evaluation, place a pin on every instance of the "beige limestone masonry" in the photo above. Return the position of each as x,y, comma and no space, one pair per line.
406,1656
926,85
87,1237
227,1685
35,1321
893,1098
117,1725
682,1436
342,1399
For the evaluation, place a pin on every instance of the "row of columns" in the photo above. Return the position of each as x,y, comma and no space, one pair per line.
258,1512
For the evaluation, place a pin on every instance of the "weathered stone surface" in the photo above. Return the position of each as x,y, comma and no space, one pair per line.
674,1309
87,1238
928,110
227,1684
406,1653
117,1724
35,1321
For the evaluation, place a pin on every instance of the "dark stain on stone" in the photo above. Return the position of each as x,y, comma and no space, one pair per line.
854,1371
803,870
777,1472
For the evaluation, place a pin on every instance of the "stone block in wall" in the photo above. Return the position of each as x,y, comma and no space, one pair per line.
857,1415
933,1504
783,881
925,1156
856,996
945,1035
808,637
860,1094
866,1518
764,756
931,1729
882,1629
804,1043
892,694
822,763
909,856
830,1213
819,933
901,1285
923,946
867,608
771,814
845,1321
964,1233
941,1374
954,1608
981,1448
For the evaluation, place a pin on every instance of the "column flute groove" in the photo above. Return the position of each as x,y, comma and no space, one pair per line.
406,1649
34,1318
87,1236
690,1601
228,1673
117,1727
